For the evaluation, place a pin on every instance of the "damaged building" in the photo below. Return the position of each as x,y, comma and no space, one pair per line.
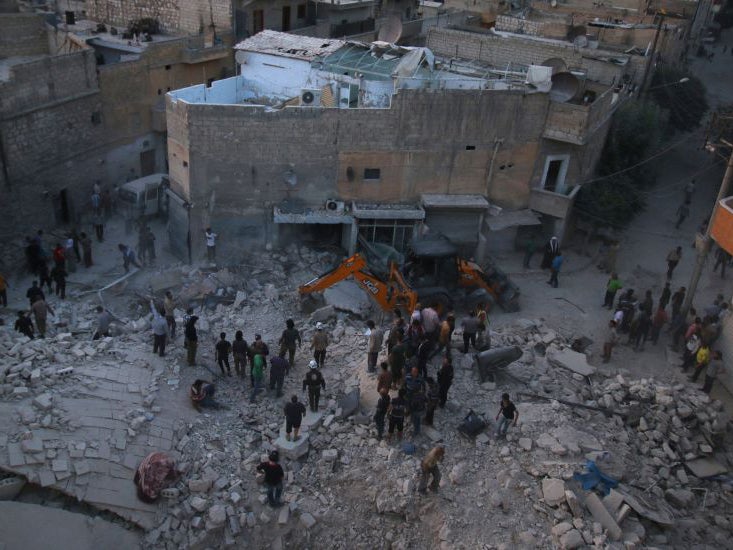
328,140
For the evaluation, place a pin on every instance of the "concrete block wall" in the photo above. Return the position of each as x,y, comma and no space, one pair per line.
231,160
22,34
47,80
500,51
185,16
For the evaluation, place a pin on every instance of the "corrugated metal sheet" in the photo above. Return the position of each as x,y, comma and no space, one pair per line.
289,45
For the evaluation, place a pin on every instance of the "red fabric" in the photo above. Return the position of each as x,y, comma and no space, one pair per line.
152,475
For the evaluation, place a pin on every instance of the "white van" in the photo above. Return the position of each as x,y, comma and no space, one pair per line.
144,197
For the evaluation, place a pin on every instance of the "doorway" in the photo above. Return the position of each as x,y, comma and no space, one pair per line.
286,18
147,162
62,207
556,168
258,21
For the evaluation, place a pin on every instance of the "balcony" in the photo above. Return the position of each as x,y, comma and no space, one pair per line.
576,122
722,228
557,205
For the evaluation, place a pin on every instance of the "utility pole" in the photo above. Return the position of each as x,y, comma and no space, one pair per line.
702,254
646,80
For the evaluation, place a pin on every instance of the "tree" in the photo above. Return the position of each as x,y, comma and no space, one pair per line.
681,95
618,193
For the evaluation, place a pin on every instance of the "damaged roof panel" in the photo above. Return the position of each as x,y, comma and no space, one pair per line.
289,45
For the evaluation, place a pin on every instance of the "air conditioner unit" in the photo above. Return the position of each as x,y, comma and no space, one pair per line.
337,207
310,98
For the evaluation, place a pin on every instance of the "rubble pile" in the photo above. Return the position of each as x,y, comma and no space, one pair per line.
343,487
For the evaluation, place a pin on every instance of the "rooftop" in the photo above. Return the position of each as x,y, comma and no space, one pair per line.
289,45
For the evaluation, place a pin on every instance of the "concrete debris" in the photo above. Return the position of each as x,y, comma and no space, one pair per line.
553,491
81,414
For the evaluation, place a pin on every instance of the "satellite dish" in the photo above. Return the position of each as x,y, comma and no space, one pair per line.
564,87
240,57
558,65
390,30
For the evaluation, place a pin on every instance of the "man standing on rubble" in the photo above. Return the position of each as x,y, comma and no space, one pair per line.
169,306
508,413
273,478
192,339
470,327
104,320
430,322
381,412
715,368
429,467
210,245
445,379
278,367
294,413
258,347
34,293
223,348
160,330
258,375
288,339
397,359
40,311
319,345
376,335
240,350
314,382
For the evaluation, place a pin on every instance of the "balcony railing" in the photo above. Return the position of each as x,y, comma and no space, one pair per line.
553,204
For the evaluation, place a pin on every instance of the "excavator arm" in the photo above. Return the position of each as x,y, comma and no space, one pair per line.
393,293
470,275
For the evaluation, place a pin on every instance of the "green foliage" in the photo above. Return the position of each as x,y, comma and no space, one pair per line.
684,101
635,134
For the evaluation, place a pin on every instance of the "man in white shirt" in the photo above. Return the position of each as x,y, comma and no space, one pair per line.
211,245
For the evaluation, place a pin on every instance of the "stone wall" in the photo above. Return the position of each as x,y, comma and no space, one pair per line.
22,34
186,16
46,80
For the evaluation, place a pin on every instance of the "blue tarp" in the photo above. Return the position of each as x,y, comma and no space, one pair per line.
595,477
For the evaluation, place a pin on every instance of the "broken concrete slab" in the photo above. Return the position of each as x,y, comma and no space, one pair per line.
705,467
293,450
553,491
347,296
349,403
323,314
571,360
601,515
307,520
66,529
43,401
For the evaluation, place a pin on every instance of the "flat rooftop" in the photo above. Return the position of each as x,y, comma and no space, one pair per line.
289,45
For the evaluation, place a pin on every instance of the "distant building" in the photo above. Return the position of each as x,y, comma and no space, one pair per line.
83,102
329,140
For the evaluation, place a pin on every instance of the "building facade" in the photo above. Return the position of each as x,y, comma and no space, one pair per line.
79,106
331,140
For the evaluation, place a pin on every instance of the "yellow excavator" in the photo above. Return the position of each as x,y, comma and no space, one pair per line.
432,274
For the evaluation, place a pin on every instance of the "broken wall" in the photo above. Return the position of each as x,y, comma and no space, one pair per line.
186,16
231,160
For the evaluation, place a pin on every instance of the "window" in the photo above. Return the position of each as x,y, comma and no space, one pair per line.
395,233
470,147
556,168
167,67
301,11
185,164
372,174
96,117
258,21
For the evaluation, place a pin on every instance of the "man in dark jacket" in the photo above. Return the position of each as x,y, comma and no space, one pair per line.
381,413
289,338
273,478
277,374
314,382
445,379
192,339
294,413
240,350
433,399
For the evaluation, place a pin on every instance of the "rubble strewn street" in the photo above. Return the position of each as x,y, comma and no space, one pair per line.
79,415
